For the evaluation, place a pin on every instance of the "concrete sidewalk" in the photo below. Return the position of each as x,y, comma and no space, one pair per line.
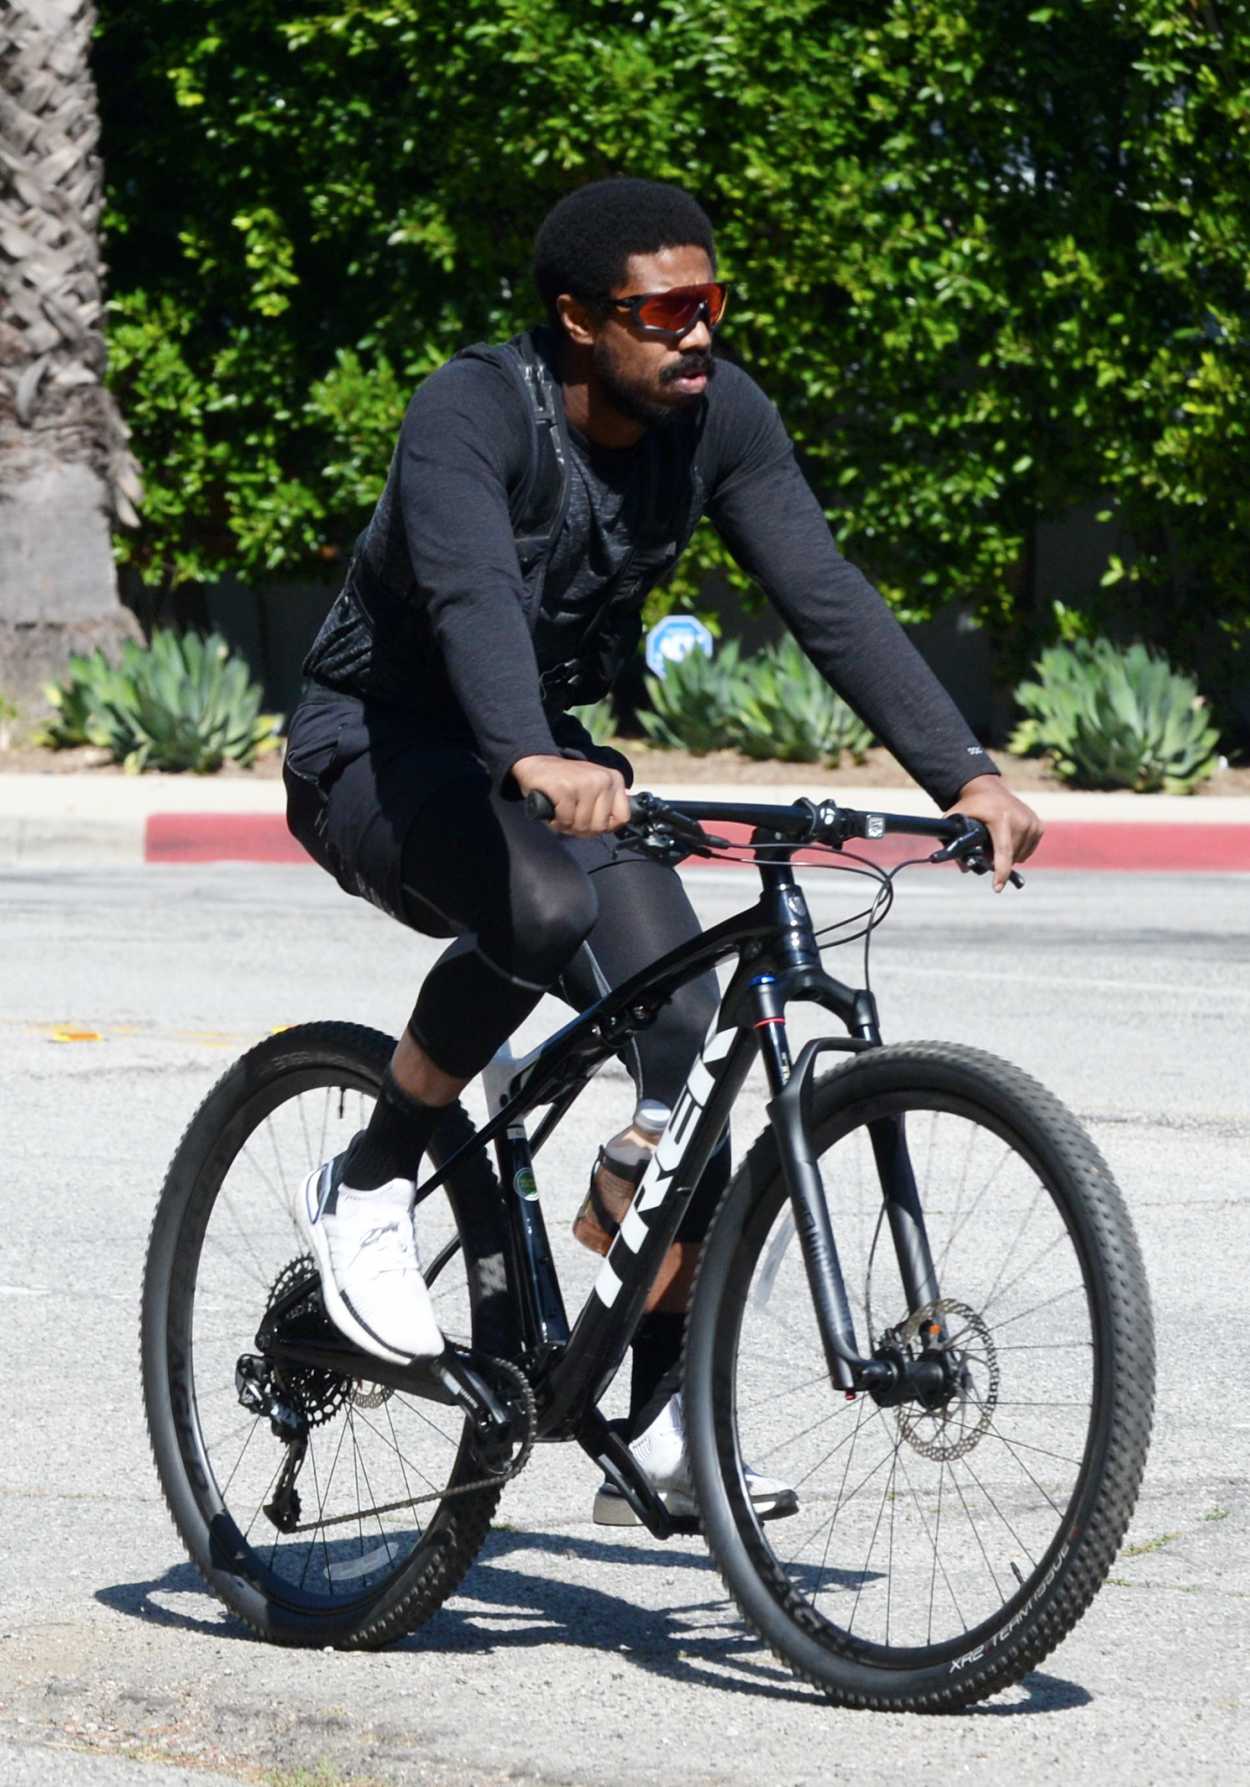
50,821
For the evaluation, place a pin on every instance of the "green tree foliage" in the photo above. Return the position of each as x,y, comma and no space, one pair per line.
990,257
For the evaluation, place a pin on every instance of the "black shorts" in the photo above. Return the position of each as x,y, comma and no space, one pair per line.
358,774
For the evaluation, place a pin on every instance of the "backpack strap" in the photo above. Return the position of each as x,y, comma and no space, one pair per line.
539,504
552,440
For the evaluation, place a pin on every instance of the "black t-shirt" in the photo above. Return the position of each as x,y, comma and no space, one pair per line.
443,533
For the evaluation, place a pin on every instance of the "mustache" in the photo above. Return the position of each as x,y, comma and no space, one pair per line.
689,366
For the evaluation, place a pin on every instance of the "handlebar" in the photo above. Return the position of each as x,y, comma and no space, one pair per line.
964,840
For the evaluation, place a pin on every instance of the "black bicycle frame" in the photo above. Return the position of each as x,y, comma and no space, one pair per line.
778,961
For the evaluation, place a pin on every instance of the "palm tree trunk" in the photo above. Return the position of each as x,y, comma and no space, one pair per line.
66,470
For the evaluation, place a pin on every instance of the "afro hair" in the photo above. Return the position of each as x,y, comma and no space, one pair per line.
584,241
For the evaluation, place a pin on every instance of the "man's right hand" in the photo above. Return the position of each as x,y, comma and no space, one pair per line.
589,799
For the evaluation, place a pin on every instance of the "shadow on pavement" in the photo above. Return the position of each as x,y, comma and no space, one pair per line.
695,1641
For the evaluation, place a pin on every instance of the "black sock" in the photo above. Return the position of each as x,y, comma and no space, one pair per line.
657,1367
391,1147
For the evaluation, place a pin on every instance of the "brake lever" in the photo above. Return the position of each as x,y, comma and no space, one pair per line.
669,842
968,853
666,827
691,830
977,864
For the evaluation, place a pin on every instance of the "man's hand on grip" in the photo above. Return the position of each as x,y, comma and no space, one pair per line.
589,799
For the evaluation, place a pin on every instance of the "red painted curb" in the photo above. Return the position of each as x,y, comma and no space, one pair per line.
220,837
1069,844
1130,844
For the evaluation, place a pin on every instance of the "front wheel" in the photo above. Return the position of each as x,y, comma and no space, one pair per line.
939,1553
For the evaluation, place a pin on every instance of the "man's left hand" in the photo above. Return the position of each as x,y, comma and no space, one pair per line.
1015,830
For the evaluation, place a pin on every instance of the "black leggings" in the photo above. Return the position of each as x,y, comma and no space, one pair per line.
534,912
409,822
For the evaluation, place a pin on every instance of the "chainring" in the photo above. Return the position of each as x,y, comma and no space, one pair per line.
517,1388
321,1395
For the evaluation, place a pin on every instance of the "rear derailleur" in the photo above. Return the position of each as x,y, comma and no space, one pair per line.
261,1393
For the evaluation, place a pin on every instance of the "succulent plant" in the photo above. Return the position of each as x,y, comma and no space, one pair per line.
91,679
789,711
182,702
1117,718
695,704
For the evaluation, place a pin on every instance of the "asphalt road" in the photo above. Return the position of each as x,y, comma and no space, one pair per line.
576,1655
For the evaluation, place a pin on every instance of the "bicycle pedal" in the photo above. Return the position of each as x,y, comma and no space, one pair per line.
685,1526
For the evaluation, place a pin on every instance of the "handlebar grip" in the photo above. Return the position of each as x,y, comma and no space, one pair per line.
539,805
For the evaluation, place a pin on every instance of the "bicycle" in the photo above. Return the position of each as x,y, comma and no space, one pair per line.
959,1386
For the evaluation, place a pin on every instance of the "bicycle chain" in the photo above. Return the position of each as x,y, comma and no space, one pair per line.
525,1394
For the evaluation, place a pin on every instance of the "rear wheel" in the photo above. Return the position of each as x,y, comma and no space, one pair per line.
364,1535
938,1553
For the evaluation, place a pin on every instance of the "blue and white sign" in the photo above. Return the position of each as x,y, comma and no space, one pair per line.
671,638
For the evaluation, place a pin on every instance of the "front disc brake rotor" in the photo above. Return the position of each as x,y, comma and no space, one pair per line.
964,1338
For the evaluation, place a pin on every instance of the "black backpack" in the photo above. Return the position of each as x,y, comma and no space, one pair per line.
538,509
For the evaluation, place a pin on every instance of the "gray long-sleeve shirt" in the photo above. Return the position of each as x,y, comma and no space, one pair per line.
468,660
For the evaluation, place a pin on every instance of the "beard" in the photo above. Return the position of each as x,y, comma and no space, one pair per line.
635,399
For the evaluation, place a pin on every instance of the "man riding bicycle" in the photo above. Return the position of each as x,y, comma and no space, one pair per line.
538,492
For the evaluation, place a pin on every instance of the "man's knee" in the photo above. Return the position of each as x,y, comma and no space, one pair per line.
550,922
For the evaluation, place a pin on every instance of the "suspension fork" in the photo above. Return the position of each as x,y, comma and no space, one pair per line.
789,1084
790,1112
903,1212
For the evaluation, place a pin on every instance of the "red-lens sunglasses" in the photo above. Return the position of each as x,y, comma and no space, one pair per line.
675,312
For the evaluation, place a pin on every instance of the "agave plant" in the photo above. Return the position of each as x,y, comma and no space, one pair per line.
695,704
78,703
1117,718
182,702
789,711
1052,703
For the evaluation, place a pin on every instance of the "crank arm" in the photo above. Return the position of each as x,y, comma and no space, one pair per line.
449,1379
612,1454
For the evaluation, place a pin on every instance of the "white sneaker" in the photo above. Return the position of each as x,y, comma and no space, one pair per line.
661,1451
371,1279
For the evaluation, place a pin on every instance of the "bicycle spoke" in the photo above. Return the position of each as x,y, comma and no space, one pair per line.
417,1410
818,1377
403,1463
1047,1303
1001,1515
427,1480
933,1541
876,1528
976,1533
251,1429
1011,1284
794,1438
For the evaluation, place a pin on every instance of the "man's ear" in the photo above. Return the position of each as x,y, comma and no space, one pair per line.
578,320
